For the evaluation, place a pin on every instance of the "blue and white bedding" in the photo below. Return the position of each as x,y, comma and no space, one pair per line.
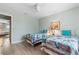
36,38
69,43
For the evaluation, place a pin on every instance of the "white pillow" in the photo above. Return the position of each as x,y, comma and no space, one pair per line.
57,33
49,33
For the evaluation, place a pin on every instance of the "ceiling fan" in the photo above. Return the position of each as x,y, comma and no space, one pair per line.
36,7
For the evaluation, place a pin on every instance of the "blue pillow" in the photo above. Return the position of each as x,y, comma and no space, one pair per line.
43,31
66,32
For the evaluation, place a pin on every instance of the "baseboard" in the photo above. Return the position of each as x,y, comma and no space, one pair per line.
19,41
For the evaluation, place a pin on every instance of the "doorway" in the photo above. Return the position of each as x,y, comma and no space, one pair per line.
5,30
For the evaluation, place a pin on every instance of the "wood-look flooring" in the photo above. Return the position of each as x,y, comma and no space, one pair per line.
22,49
27,49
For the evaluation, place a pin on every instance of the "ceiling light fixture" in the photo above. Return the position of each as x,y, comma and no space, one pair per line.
36,6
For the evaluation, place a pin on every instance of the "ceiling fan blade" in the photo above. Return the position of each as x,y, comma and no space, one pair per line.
36,7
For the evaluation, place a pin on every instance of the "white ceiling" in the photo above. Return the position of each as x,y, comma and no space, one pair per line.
37,10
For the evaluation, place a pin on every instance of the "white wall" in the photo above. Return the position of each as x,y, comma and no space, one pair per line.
21,25
76,22
68,20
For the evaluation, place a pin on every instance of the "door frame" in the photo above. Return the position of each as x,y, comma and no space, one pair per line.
10,30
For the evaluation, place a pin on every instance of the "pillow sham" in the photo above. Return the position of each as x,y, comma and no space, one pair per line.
49,33
66,32
57,33
43,31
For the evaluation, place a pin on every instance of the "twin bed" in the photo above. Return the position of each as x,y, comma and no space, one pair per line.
36,38
61,45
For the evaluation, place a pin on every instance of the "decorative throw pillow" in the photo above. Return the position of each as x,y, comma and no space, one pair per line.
57,33
43,31
49,33
66,32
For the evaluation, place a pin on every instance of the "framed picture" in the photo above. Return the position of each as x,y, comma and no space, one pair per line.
55,25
